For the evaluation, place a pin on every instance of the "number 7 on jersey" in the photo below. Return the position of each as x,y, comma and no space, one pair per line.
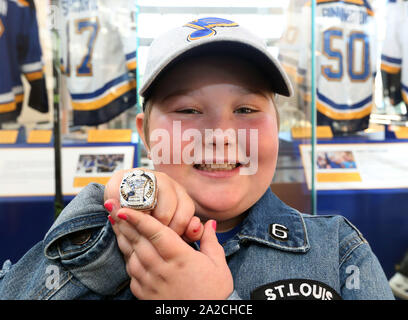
90,25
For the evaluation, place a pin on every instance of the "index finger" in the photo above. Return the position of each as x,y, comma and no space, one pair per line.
167,242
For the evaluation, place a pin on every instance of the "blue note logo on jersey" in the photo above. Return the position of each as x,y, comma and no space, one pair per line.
205,27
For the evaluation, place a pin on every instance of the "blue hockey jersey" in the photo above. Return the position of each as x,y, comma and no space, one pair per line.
20,54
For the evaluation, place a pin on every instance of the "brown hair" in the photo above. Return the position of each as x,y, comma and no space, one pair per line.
147,107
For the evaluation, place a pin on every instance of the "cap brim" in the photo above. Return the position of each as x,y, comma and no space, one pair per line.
279,82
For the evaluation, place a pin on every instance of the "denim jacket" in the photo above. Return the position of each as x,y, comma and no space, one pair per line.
279,253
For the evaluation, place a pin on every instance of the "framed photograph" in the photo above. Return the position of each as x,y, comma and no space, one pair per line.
84,165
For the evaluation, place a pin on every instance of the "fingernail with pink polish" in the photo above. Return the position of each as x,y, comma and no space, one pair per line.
214,225
111,220
108,206
122,216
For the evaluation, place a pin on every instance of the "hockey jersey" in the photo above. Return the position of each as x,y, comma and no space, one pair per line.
345,63
394,57
98,57
290,49
20,54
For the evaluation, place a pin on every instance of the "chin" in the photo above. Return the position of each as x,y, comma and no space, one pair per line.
220,202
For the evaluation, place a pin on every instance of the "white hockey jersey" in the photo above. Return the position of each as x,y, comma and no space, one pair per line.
394,57
345,63
98,56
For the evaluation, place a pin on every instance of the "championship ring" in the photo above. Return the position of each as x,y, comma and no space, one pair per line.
138,190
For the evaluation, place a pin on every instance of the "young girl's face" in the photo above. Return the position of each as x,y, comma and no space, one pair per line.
217,93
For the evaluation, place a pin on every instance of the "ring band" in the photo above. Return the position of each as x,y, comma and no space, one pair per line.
138,190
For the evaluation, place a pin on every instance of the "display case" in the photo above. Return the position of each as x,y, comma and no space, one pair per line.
350,103
342,135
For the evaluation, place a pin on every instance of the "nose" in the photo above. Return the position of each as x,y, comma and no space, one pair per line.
219,137
221,130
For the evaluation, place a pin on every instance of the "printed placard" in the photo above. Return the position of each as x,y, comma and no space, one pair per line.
39,136
322,132
357,166
8,136
401,133
109,135
26,172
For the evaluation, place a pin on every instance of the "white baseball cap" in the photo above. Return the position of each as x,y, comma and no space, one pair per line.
211,36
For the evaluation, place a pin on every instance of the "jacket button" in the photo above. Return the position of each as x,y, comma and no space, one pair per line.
80,237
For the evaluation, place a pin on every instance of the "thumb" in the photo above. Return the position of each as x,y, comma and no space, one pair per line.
209,244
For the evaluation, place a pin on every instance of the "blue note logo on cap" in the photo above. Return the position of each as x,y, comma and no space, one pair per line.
205,27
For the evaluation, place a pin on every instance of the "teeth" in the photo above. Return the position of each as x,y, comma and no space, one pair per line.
216,166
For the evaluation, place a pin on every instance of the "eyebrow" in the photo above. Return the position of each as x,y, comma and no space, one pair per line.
246,90
188,92
181,92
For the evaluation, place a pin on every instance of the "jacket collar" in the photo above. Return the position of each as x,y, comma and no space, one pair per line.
272,223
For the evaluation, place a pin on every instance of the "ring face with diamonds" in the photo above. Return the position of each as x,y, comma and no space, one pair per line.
138,190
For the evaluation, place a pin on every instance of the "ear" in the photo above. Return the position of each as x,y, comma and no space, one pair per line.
139,127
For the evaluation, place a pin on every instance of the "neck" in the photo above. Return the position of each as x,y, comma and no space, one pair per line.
227,225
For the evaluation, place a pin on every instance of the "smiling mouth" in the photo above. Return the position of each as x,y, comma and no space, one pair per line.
217,166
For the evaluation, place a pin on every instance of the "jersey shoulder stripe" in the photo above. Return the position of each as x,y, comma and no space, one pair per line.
345,107
131,61
390,65
338,111
395,61
336,115
109,85
404,91
106,99
106,113
21,3
131,55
